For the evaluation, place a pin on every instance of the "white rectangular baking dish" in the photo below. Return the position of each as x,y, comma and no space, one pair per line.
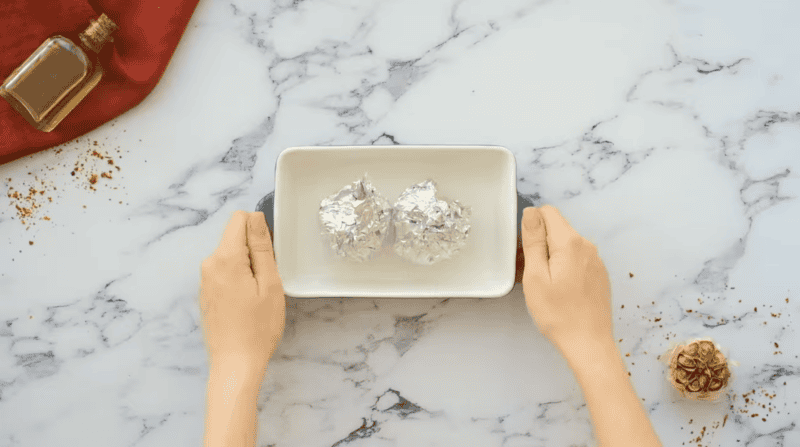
483,177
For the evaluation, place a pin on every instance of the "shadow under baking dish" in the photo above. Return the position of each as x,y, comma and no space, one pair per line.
482,177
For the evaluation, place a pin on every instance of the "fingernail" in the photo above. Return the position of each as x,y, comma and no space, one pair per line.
261,225
530,219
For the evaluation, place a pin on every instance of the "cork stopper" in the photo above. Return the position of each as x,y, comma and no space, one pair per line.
98,33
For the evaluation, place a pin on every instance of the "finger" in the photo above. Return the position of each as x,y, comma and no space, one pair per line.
234,238
560,234
262,257
534,243
520,261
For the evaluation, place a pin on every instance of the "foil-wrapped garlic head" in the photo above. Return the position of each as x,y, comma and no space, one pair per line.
429,229
355,220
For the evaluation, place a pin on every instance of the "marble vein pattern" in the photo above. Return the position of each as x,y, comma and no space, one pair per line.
666,131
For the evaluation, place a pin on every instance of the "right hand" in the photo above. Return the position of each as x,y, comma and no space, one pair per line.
565,283
242,301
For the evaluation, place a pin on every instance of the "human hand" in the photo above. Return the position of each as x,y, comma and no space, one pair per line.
564,280
241,295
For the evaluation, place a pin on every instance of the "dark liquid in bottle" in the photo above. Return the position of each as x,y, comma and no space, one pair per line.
53,75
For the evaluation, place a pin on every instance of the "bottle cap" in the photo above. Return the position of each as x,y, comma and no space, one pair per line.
98,33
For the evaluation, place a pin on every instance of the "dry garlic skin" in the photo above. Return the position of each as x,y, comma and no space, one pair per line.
355,220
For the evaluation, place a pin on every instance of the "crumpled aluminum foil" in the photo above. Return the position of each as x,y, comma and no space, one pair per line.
356,220
427,229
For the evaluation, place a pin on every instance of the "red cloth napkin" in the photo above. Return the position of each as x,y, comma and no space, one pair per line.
149,32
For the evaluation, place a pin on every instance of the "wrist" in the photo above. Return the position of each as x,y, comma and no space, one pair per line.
237,372
583,353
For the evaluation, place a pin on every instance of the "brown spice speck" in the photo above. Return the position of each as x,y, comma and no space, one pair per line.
631,274
30,242
93,179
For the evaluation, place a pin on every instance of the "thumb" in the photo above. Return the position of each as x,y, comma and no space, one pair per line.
262,257
534,243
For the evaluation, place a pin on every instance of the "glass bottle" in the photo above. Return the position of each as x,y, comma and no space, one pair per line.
59,74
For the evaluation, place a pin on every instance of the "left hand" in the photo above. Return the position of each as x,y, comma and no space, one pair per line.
241,295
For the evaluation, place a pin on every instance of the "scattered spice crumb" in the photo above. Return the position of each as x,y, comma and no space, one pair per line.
30,242
631,274
84,168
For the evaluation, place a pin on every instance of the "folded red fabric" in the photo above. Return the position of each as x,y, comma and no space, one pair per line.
149,32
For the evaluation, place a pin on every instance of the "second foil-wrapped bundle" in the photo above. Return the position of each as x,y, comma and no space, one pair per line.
426,229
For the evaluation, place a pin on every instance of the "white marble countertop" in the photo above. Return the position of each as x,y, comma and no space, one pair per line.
667,132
